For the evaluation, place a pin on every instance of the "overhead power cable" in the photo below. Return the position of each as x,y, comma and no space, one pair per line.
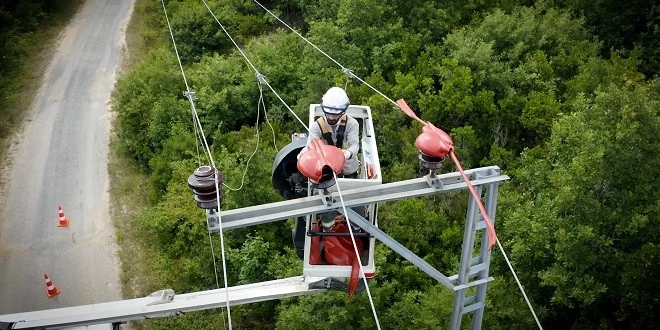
519,285
256,147
262,80
191,98
259,76
345,70
357,253
350,74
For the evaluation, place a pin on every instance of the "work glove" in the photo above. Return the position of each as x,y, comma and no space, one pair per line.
347,154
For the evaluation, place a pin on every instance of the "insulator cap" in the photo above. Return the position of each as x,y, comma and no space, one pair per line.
202,183
429,162
320,161
434,142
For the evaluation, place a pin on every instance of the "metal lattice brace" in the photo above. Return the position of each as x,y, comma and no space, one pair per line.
425,186
473,272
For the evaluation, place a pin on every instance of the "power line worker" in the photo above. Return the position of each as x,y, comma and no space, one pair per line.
337,128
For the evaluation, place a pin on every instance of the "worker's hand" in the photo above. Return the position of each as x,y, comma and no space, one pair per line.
347,154
299,155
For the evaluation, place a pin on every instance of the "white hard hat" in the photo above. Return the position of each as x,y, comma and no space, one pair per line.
334,101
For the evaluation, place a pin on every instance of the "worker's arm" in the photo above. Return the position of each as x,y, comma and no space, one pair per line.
352,136
314,133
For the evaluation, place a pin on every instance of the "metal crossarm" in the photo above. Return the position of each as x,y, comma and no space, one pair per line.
159,304
472,276
473,273
425,186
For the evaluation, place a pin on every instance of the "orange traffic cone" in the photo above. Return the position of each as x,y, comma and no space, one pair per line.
63,221
51,289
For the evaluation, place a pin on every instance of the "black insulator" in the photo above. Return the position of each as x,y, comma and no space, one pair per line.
297,186
202,183
327,179
287,180
430,162
298,235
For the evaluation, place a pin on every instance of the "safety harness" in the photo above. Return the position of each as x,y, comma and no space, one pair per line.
327,134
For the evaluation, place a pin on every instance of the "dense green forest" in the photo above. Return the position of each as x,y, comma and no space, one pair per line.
563,95
28,28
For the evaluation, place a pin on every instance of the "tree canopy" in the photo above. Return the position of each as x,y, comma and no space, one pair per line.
565,105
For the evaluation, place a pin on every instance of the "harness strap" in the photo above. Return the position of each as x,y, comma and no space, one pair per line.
327,134
340,131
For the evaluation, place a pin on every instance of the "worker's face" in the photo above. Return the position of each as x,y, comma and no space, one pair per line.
332,118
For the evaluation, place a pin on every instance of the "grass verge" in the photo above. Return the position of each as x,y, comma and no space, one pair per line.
29,56
139,274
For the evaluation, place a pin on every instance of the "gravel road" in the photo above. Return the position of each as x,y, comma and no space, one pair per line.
60,158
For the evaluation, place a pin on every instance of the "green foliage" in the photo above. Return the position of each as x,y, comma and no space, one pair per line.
629,27
429,22
599,72
504,75
397,164
284,265
244,183
198,33
252,260
226,92
465,143
428,309
293,71
505,305
178,230
522,87
586,206
147,92
327,311
28,30
178,146
415,224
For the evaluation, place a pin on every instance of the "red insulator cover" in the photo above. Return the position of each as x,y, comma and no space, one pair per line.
318,156
434,141
339,251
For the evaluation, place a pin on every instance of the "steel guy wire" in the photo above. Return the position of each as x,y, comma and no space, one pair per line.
188,94
519,285
230,38
217,284
222,248
256,147
260,77
298,34
350,73
357,254
272,130
197,138
287,106
191,98
346,71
